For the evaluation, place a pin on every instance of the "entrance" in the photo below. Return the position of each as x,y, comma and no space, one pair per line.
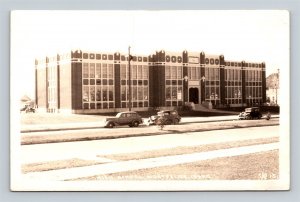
194,95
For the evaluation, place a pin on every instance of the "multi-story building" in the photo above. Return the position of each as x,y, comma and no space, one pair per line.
88,82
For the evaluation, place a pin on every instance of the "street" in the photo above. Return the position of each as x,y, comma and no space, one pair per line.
151,157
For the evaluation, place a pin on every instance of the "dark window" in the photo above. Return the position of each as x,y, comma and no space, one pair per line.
98,56
145,82
217,61
134,58
145,59
110,57
123,58
98,82
140,59
173,59
179,82
85,82
111,82
92,56
179,59
92,81
232,64
85,56
212,61
235,64
104,82
239,64
92,105
167,58
206,61
104,57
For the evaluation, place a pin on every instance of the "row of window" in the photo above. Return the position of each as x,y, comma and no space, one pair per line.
111,57
137,71
97,70
173,72
212,74
239,64
138,93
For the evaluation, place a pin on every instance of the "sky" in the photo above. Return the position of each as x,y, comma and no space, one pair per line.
250,35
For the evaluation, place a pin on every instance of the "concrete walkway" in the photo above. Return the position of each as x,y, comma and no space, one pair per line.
131,165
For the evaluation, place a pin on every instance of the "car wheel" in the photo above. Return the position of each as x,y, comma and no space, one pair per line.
111,125
135,124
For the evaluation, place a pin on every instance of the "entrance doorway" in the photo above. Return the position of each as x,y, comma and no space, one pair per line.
194,95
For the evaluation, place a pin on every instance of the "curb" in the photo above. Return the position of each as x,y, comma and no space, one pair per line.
27,140
102,126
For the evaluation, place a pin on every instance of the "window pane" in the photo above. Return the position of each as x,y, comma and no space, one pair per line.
140,71
123,93
85,70
174,93
168,72
140,93
145,72
179,73
168,93
98,70
111,93
110,71
92,70
104,71
145,92
92,93
134,72
134,93
98,94
85,94
123,71
104,93
174,72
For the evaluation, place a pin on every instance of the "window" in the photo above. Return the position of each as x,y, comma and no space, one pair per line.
174,72
145,72
85,70
92,70
98,70
168,72
104,71
110,71
92,93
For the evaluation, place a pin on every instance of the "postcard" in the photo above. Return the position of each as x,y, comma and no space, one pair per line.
150,100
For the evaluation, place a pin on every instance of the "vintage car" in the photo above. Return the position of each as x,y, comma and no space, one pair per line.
168,117
251,113
129,118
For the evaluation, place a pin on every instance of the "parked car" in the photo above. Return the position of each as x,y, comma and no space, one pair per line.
27,109
129,118
168,117
251,113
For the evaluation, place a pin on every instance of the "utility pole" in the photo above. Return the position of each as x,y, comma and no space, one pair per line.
129,77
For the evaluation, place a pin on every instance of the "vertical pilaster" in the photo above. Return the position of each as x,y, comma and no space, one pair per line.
264,90
202,74
117,79
243,83
222,80
185,76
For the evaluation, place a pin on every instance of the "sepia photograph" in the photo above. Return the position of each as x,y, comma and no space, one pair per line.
150,100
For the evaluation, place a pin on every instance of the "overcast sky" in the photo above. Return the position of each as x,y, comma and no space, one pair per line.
254,36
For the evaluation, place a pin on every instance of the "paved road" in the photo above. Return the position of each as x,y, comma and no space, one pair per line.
90,150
